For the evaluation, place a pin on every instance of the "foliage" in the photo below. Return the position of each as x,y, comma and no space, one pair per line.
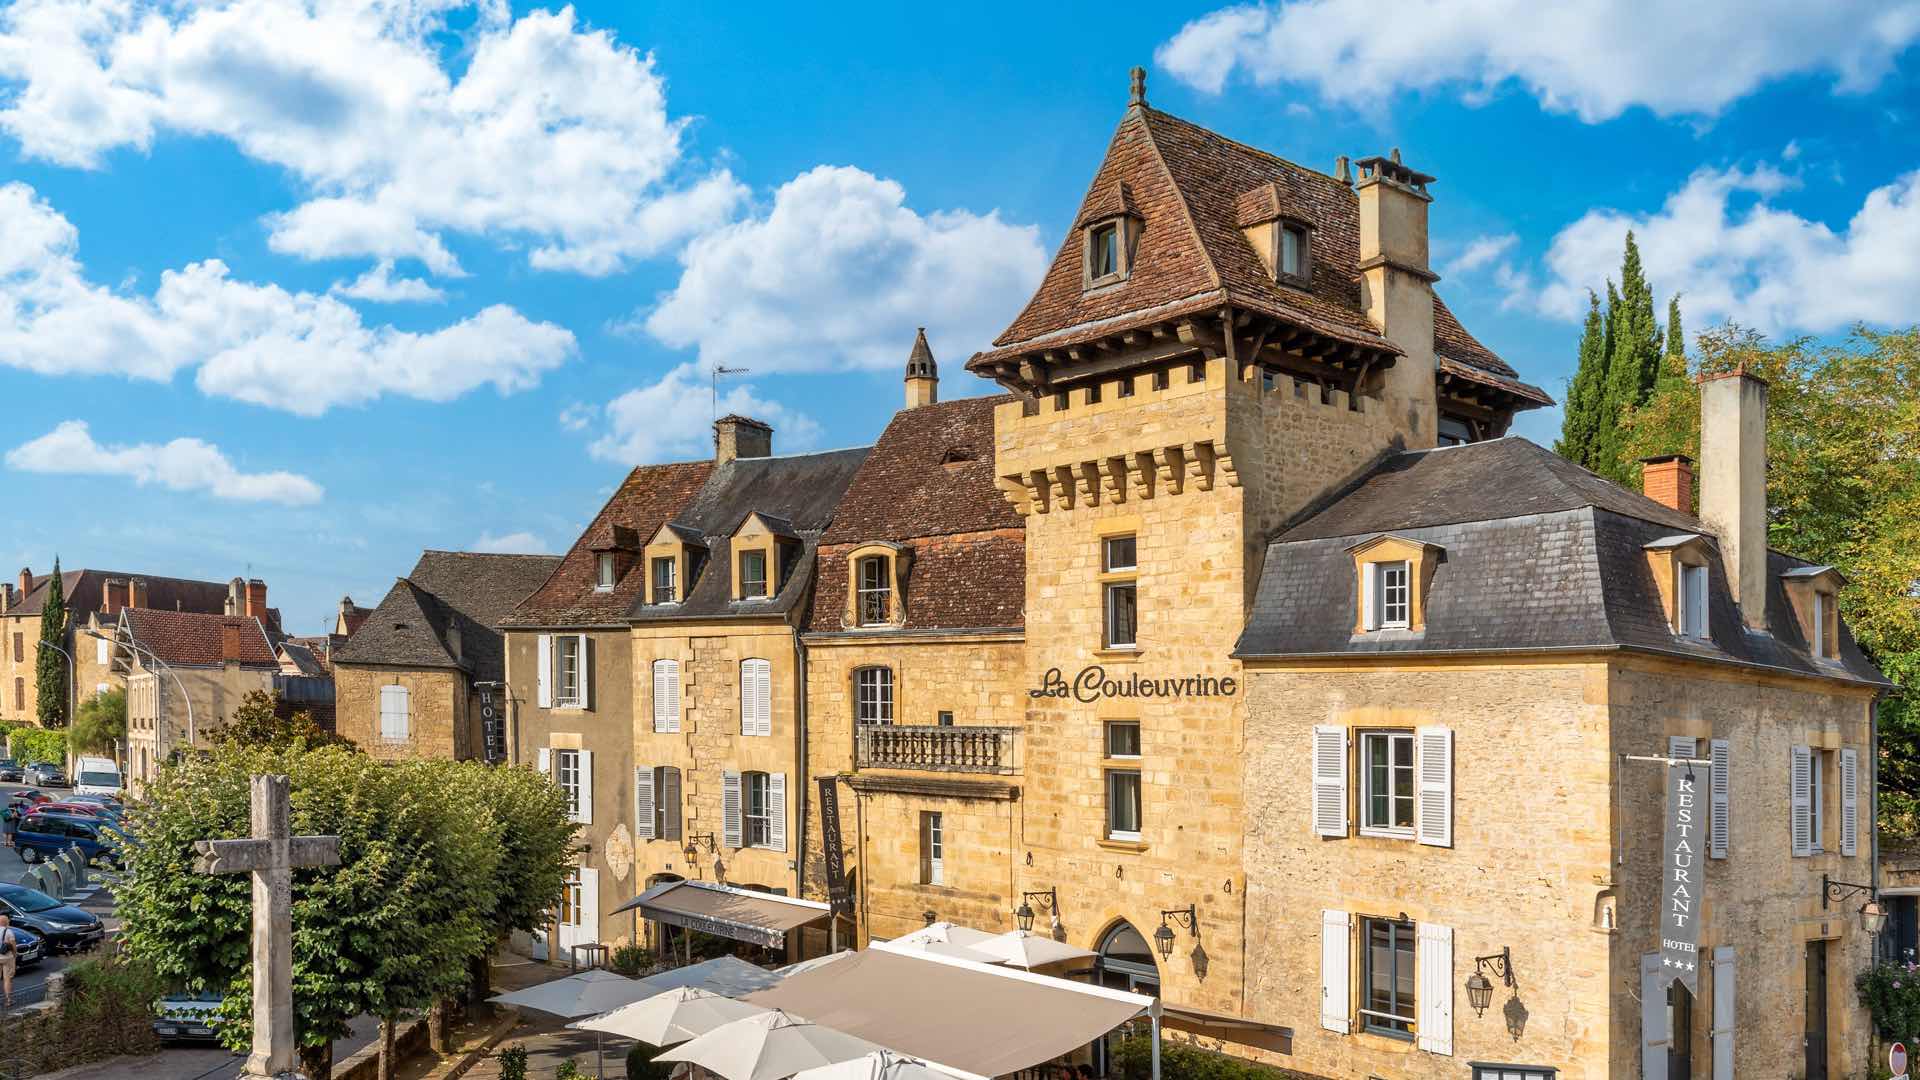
1581,413
631,961
1621,363
100,722
1186,1060
1843,488
568,1070
414,902
513,1062
34,744
535,839
1891,994
52,671
641,1066
263,720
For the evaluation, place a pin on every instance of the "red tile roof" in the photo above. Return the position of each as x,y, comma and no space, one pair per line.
192,637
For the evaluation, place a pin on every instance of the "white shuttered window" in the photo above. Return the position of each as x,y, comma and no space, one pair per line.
730,825
1329,780
543,658
1849,802
1433,967
643,826
1800,799
666,696
1336,958
756,697
1434,768
394,721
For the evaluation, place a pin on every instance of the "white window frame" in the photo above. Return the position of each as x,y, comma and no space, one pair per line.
748,782
1139,804
1393,737
672,589
603,572
403,730
866,593
873,705
566,774
766,585
932,848
567,696
1383,603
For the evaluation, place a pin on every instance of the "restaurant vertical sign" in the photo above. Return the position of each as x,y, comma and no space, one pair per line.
1681,888
839,897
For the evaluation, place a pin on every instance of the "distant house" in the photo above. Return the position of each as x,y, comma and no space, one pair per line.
185,673
418,675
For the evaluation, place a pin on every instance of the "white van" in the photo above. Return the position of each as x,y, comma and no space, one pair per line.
96,776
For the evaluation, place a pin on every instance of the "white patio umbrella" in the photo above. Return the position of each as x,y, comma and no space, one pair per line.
589,993
879,1065
947,939
770,1046
680,1014
1024,948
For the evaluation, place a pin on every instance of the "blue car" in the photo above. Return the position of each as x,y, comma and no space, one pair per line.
44,836
64,927
29,948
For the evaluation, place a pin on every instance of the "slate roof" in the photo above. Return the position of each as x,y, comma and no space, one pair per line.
645,500
196,637
85,592
929,483
448,590
1539,554
800,490
307,654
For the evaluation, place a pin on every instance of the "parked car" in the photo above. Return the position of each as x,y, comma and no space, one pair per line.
27,798
188,1014
29,948
66,928
70,806
96,776
11,772
46,774
44,836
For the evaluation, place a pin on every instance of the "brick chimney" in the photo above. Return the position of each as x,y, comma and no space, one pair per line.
1396,288
230,640
740,437
26,583
1668,481
256,605
137,592
113,596
1733,483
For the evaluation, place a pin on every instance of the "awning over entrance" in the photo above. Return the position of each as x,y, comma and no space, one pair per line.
740,914
984,1020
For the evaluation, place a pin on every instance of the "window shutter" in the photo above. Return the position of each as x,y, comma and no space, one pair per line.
643,803
545,650
1329,780
666,695
1717,832
1335,996
1681,746
589,930
546,760
1801,799
1723,1013
585,816
777,811
1433,963
586,672
1849,803
1433,747
1369,618
669,796
730,809
1653,1018
756,697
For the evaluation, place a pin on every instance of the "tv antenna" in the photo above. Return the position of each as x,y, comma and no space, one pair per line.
719,370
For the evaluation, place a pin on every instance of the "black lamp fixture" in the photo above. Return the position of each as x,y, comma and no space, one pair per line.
1163,937
1873,914
1023,915
1479,987
693,845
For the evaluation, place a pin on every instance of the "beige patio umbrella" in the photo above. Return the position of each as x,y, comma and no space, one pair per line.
677,1015
771,1046
879,1065
589,993
1024,948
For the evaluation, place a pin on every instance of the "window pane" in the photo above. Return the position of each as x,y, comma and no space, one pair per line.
1122,615
606,571
1123,803
753,573
1123,739
663,570
1120,553
1391,583
1106,251
876,593
1388,979
873,695
1290,251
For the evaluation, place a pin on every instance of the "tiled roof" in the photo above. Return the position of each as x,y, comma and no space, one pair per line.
448,592
1539,554
305,654
194,637
798,490
649,497
355,615
85,592
973,581
1461,354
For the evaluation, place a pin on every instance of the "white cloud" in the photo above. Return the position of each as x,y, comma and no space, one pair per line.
180,465
514,543
380,286
551,137
297,351
672,418
1721,241
578,416
1480,251
839,273
1594,60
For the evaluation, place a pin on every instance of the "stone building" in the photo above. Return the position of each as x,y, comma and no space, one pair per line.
417,678
185,672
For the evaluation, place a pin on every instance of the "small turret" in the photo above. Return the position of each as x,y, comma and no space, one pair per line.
923,375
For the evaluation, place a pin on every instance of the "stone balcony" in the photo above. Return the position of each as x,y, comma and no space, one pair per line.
941,748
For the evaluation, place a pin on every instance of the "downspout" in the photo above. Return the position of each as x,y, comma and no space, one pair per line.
800,758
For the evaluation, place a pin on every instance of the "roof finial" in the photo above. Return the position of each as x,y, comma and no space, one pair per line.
1139,93
1396,156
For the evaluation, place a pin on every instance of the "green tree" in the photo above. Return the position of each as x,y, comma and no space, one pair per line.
100,723
1632,367
263,719
52,673
1843,488
1581,418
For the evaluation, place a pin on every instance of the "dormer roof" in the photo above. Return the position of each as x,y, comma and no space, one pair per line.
1112,201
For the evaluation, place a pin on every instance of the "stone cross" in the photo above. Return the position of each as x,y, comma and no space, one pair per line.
270,857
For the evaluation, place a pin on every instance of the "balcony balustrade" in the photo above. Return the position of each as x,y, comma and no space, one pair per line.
935,748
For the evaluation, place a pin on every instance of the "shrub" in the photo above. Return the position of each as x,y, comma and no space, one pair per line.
34,744
641,1066
1891,993
1185,1060
631,961
513,1062
568,1071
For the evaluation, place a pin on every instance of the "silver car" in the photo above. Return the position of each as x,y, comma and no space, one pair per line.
188,1015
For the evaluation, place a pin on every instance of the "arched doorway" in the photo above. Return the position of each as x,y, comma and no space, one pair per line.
1125,962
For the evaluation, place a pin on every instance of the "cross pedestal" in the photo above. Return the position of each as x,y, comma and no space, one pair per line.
270,857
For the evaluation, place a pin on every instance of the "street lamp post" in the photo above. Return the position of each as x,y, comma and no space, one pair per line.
160,722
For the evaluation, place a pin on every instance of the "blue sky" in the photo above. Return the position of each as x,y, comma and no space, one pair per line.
298,289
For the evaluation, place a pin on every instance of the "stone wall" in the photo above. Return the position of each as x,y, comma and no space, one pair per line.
437,704
18,634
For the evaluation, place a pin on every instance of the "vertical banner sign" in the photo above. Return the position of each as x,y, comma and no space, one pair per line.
838,896
1680,890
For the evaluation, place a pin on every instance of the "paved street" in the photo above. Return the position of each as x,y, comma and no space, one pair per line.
30,985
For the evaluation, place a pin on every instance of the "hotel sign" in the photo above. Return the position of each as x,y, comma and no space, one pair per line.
1092,684
1681,885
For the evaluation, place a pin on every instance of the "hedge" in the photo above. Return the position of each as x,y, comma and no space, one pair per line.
35,744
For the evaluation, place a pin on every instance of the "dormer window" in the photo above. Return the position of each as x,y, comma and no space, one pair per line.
1813,590
1679,565
665,580
1691,591
1393,574
876,592
1393,600
604,573
876,585
753,574
1109,250
1105,245
1293,251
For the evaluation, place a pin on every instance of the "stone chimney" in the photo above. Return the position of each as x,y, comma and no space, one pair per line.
453,641
1396,288
1668,481
1733,483
923,375
236,591
230,641
137,592
256,599
740,436
26,584
113,596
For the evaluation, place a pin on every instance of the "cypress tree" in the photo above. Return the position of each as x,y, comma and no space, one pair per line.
1583,393
51,678
1632,366
1676,338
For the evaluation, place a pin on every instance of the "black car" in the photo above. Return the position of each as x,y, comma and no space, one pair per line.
65,927
11,772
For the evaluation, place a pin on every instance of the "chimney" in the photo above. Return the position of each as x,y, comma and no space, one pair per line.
112,597
740,436
1396,288
923,375
235,589
453,641
1668,481
230,641
26,582
1733,483
256,599
137,592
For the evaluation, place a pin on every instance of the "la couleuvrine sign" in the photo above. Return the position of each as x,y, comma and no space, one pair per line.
1681,888
1092,685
